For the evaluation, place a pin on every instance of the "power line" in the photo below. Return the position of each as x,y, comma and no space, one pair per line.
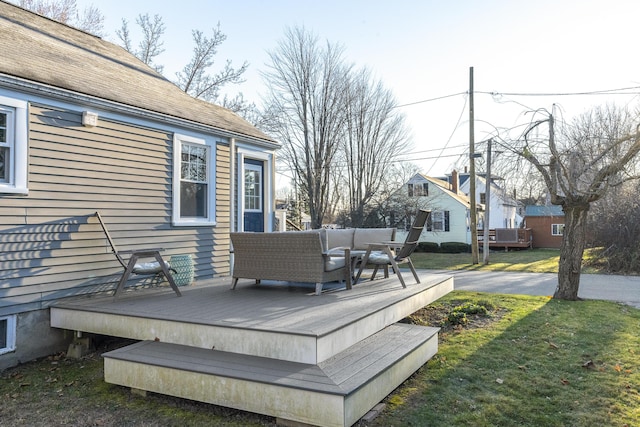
431,99
619,91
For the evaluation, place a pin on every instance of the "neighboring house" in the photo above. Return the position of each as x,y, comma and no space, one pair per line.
546,224
86,127
503,209
450,209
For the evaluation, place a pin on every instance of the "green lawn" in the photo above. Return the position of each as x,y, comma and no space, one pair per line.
538,362
531,260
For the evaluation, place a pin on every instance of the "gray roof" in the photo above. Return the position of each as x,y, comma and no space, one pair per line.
550,210
41,50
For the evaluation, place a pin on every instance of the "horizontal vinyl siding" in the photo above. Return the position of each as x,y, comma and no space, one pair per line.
51,244
220,256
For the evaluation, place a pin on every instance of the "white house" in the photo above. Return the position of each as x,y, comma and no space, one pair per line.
502,207
450,209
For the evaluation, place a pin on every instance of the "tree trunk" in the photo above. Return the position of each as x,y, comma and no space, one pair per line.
573,241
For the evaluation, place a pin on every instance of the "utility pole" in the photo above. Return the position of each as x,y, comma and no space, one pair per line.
487,205
473,221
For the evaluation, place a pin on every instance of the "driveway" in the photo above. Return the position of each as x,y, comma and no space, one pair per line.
625,289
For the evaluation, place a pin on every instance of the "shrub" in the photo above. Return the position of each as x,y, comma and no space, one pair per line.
428,247
458,316
454,247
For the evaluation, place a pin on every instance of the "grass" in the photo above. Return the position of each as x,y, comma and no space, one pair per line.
531,260
57,391
535,362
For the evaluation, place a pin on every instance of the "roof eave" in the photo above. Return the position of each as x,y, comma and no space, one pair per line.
45,90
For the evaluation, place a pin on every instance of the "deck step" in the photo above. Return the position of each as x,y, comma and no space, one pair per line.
336,392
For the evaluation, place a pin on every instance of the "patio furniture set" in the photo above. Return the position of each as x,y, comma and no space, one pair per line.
314,256
324,255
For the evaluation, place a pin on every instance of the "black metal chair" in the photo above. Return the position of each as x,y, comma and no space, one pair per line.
385,254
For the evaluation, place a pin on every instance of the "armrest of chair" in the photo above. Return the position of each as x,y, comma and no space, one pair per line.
140,251
338,251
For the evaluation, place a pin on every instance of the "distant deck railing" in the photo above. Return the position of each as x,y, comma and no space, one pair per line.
508,238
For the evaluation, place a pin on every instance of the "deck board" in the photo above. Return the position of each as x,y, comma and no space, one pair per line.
340,375
275,308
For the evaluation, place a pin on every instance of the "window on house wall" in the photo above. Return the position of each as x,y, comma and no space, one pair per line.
418,190
557,229
13,146
483,198
421,189
438,221
193,182
7,334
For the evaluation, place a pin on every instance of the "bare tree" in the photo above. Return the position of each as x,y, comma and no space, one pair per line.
194,77
90,20
151,44
579,165
375,136
392,207
305,106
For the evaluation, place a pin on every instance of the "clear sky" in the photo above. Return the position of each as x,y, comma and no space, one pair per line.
423,49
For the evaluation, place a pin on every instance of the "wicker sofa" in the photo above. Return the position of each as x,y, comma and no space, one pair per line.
316,256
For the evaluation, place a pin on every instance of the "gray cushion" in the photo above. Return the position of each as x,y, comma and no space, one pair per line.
333,263
339,238
152,267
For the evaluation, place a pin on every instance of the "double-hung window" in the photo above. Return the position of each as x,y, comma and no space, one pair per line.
193,181
417,190
557,229
438,221
13,146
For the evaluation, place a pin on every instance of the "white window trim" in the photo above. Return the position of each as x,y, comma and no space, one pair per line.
18,161
556,227
178,140
11,334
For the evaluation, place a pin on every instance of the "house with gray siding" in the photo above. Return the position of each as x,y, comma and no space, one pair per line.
86,127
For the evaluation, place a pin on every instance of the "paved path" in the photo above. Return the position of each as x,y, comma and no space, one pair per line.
624,289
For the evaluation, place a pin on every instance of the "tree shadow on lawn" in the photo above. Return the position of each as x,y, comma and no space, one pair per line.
538,362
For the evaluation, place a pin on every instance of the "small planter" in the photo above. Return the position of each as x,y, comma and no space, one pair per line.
183,265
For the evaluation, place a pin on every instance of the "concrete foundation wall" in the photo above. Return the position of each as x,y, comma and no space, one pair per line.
35,338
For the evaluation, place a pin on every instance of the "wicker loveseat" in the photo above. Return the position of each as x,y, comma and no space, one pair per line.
316,256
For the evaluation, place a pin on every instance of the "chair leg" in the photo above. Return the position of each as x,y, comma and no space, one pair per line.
167,274
125,275
413,270
375,271
234,283
318,288
394,265
363,264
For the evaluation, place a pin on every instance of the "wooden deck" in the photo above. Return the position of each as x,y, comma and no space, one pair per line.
272,332
507,238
